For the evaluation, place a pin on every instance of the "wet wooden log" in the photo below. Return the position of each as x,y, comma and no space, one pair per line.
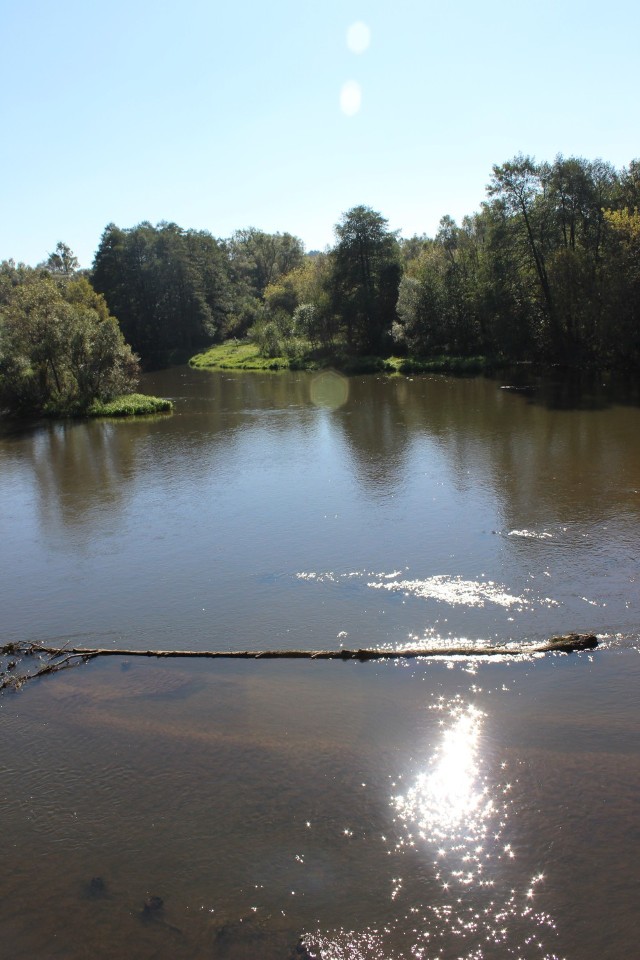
66,656
567,643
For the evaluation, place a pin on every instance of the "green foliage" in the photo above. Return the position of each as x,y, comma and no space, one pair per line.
622,288
545,270
59,347
422,308
237,355
62,261
555,212
365,278
307,323
259,259
541,272
438,364
168,287
256,263
175,289
130,405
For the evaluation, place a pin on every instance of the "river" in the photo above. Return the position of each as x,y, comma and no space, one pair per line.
430,809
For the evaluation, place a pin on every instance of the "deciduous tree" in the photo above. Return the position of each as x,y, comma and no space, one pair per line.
60,349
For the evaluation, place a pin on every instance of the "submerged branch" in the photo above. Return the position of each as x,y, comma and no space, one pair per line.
17,680
564,644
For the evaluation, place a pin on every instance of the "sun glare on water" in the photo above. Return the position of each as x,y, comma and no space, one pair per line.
469,890
450,795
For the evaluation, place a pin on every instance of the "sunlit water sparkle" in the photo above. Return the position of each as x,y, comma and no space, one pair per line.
455,818
411,508
453,590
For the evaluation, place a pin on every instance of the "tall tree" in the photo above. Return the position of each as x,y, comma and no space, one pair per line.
517,184
366,278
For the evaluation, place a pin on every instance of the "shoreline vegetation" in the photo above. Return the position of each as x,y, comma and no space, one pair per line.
130,405
246,355
62,352
546,273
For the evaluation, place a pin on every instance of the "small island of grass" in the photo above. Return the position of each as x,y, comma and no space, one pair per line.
131,405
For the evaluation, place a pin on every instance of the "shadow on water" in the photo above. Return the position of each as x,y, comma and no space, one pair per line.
569,389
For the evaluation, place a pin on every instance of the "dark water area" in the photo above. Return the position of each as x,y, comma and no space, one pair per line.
433,809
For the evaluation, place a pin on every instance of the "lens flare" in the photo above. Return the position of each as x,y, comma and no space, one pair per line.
358,37
329,389
350,98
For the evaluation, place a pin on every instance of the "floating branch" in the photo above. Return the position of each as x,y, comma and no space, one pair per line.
564,644
16,680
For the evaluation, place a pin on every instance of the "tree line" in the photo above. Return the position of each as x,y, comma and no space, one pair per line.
175,290
548,269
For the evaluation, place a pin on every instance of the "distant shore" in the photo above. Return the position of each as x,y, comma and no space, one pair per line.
245,355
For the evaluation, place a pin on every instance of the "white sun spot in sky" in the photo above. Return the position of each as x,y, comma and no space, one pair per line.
358,37
350,98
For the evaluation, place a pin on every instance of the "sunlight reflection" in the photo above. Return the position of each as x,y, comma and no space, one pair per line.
455,590
477,899
450,804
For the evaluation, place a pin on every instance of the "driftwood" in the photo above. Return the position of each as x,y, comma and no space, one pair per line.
16,680
66,656
566,644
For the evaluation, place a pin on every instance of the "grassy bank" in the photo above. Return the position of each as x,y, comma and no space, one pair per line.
442,364
131,405
237,355
244,355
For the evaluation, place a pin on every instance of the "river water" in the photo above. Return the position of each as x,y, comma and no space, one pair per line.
430,809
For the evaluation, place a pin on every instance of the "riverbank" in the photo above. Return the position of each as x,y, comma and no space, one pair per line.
129,405
245,355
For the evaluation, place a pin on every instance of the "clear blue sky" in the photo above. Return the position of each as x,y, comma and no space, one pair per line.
221,115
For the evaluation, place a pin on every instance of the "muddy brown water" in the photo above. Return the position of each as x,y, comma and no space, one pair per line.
440,809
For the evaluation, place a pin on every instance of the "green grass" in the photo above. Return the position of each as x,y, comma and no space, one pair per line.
245,355
237,355
442,364
131,405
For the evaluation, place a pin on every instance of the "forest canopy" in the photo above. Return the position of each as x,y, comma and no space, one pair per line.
547,270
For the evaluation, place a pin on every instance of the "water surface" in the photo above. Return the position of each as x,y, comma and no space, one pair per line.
437,809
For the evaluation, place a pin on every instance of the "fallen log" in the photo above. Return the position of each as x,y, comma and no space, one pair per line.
66,656
563,644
